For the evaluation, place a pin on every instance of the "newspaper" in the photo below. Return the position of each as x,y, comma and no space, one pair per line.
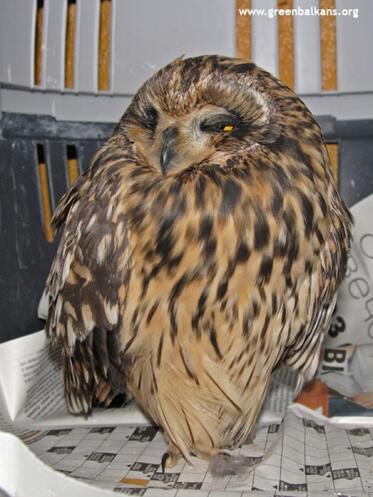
347,361
294,450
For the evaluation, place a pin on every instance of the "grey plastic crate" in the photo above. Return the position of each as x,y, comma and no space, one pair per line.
145,34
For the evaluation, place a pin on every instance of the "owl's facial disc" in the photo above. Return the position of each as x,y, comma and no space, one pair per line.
176,144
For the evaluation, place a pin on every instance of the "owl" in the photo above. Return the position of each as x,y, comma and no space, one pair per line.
201,250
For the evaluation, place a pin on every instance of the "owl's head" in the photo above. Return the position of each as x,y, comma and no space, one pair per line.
199,109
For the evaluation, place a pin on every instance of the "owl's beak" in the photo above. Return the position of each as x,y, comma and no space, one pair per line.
168,152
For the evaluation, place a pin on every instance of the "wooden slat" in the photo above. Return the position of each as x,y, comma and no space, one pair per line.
333,150
38,44
104,46
243,30
70,45
286,44
44,194
73,171
328,47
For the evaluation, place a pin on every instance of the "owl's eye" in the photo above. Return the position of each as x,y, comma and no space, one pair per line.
218,124
150,118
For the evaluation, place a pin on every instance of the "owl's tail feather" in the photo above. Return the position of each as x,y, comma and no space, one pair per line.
176,438
224,390
195,415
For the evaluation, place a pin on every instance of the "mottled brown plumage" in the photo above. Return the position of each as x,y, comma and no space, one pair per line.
201,250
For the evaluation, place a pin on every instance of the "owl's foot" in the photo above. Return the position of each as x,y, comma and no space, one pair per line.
170,458
224,464
205,454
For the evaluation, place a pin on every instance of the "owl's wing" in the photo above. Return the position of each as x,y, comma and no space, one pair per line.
303,353
86,288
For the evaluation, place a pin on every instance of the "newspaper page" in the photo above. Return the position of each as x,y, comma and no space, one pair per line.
345,378
294,450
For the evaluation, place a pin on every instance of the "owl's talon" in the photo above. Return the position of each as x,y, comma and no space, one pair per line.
169,460
165,457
